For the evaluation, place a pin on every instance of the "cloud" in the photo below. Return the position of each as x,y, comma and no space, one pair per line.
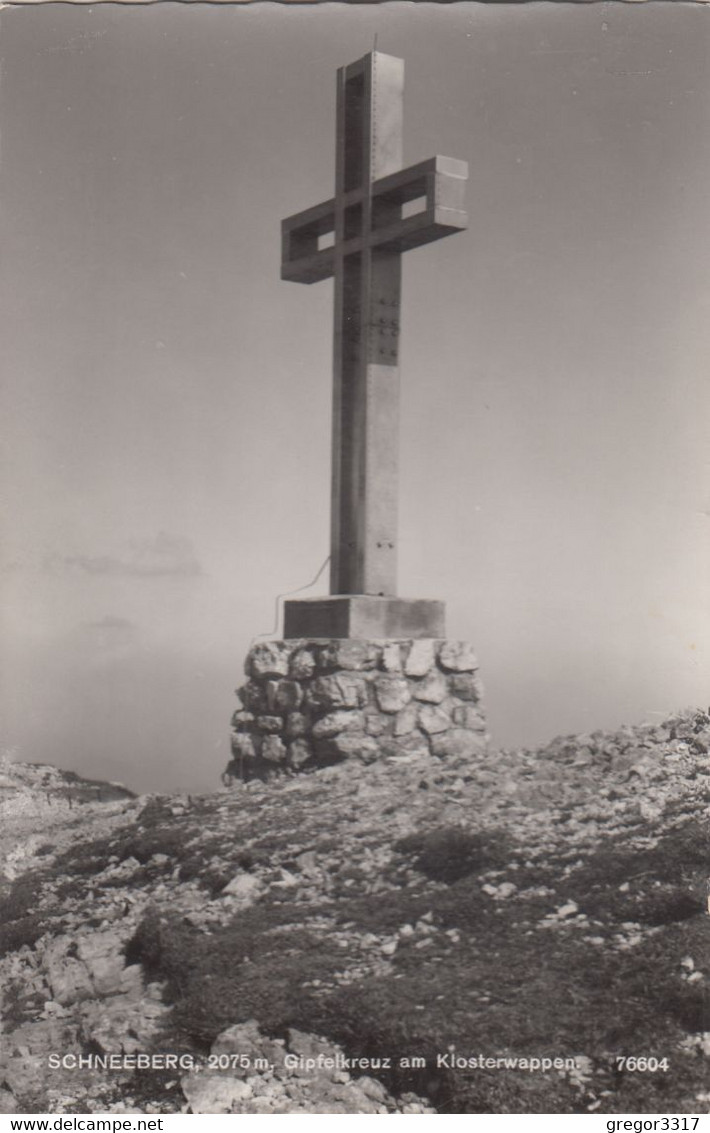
110,622
160,557
110,639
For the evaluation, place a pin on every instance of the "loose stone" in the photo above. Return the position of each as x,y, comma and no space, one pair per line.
349,654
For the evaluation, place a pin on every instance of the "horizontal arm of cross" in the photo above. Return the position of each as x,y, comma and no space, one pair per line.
439,182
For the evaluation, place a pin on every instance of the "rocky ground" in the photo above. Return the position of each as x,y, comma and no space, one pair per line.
412,914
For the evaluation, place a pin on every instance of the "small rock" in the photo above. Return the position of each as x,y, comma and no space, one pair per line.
466,686
213,1093
246,886
392,657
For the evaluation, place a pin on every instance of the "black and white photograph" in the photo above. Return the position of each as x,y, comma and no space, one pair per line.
354,606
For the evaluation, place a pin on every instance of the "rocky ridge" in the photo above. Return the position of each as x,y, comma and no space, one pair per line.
519,904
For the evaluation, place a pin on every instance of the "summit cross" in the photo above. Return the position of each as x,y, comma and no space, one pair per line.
358,236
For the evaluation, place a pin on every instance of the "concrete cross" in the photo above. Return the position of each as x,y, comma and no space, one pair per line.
379,211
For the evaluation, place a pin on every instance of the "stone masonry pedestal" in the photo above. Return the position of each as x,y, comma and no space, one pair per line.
309,703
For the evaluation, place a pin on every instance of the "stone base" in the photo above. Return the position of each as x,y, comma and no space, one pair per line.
364,617
310,703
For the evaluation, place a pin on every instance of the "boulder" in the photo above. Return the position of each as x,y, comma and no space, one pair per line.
214,1093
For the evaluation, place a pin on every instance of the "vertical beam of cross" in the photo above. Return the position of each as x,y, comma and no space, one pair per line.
370,232
365,334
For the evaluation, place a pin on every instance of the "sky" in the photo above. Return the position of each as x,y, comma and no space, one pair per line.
166,398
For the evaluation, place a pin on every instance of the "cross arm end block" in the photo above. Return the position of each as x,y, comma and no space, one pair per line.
441,183
309,269
303,260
